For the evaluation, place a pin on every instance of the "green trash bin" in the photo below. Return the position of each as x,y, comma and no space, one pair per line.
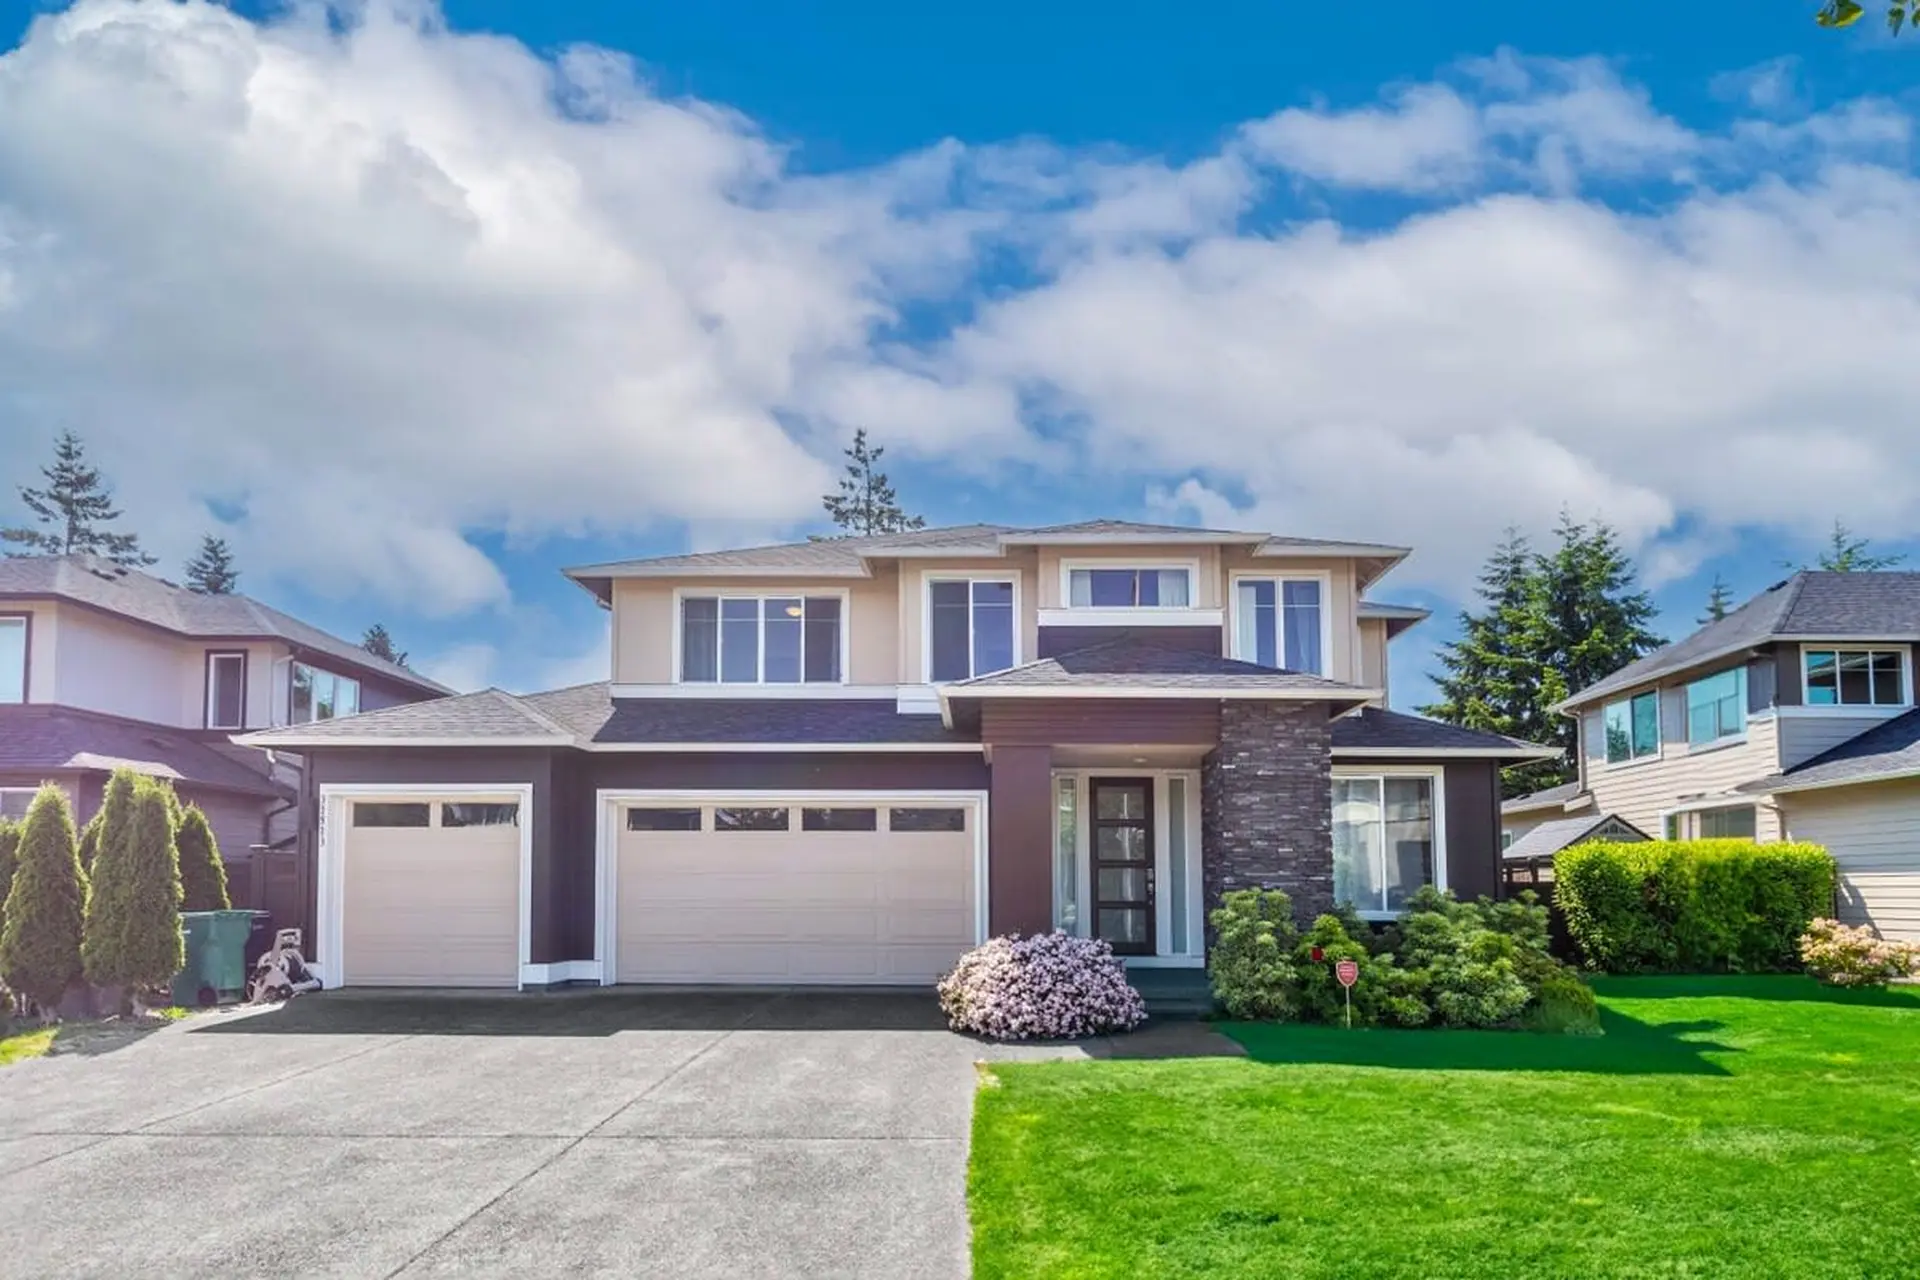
216,963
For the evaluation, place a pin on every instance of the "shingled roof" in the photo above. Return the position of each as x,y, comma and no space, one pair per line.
1375,731
45,740
491,716
1132,666
1884,752
1811,605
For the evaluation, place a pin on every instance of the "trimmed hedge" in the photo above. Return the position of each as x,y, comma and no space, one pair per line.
1692,906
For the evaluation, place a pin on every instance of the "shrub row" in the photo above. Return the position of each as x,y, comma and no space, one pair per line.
1443,963
1695,906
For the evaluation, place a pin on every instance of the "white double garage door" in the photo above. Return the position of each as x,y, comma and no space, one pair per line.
433,889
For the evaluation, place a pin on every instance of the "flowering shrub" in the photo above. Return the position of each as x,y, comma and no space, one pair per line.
1044,986
1855,957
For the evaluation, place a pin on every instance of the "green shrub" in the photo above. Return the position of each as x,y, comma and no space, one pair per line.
203,878
90,840
1699,906
46,902
1251,962
132,936
9,859
1321,997
1562,1005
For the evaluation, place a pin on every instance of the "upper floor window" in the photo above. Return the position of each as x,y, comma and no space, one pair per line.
13,659
1855,677
1633,727
1717,707
970,627
227,690
1134,588
321,695
760,639
1277,623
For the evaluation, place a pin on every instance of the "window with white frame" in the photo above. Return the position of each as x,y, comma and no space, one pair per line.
1729,822
321,695
1632,727
1717,707
970,627
760,639
13,659
1130,588
1855,677
1386,840
227,690
15,801
1278,621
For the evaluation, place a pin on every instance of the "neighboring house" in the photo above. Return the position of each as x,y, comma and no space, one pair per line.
848,761
102,666
1791,718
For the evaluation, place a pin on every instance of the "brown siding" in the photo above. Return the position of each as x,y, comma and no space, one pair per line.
1055,641
1473,828
1122,722
1020,841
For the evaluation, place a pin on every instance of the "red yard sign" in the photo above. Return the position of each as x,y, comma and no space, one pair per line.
1347,971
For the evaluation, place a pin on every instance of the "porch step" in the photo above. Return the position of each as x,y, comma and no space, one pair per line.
1173,993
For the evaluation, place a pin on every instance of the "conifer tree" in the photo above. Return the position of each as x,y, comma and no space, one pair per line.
1719,601
111,874
90,841
76,506
46,903
203,878
1491,678
866,503
9,859
1847,553
212,572
379,642
153,946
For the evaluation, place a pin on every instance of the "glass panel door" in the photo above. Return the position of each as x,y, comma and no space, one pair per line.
1122,846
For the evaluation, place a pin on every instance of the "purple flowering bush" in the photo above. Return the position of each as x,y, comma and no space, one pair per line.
1855,957
1042,986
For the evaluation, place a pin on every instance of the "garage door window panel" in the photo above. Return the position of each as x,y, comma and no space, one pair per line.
924,820
663,820
839,820
479,815
751,819
368,813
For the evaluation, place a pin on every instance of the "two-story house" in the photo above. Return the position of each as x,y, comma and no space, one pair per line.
848,761
103,666
1790,718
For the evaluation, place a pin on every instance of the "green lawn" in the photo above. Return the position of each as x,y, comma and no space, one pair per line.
1762,1127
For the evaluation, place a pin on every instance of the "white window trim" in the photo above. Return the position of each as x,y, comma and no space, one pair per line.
1726,739
680,594
26,622
1845,708
1659,752
1691,810
930,576
335,821
1231,640
606,866
1115,613
1439,778
1163,958
214,658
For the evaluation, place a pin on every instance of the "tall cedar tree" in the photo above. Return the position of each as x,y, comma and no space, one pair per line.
203,878
866,503
78,506
1719,601
212,572
380,644
1846,553
1492,677
90,840
40,938
112,873
9,859
132,937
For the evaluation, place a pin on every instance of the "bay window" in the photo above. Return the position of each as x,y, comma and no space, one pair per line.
1632,727
970,627
760,640
1130,588
1717,707
1278,623
13,659
1855,677
321,695
1386,840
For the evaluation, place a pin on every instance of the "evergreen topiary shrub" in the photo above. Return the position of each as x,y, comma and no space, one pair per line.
203,877
132,936
1696,906
1251,962
110,874
46,904
9,858
90,841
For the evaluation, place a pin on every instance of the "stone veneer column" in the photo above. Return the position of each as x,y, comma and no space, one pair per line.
1266,804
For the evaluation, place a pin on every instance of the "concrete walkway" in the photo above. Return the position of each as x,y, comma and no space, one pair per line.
598,1133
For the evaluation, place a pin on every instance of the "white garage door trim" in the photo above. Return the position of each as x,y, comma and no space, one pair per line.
606,841
331,843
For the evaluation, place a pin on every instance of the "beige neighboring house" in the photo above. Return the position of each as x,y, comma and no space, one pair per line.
103,666
1791,718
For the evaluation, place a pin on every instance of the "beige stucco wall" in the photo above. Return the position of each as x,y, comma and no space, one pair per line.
43,652
104,664
1643,791
644,622
1873,832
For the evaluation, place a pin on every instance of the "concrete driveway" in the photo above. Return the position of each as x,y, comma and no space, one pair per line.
591,1133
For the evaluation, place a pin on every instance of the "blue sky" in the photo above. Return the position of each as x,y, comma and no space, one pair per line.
416,317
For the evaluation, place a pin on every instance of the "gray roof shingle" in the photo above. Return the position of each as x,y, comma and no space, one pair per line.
1812,604
490,713
805,722
1551,798
1374,729
1888,750
1132,663
142,597
44,740
1563,833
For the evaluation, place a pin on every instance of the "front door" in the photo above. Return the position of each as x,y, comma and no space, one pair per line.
1123,863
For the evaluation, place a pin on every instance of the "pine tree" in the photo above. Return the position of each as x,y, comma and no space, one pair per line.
1491,678
40,937
1846,553
78,506
211,572
378,643
866,503
203,878
1719,601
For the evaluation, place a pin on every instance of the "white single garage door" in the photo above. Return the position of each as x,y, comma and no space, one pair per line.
1873,832
849,892
430,892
